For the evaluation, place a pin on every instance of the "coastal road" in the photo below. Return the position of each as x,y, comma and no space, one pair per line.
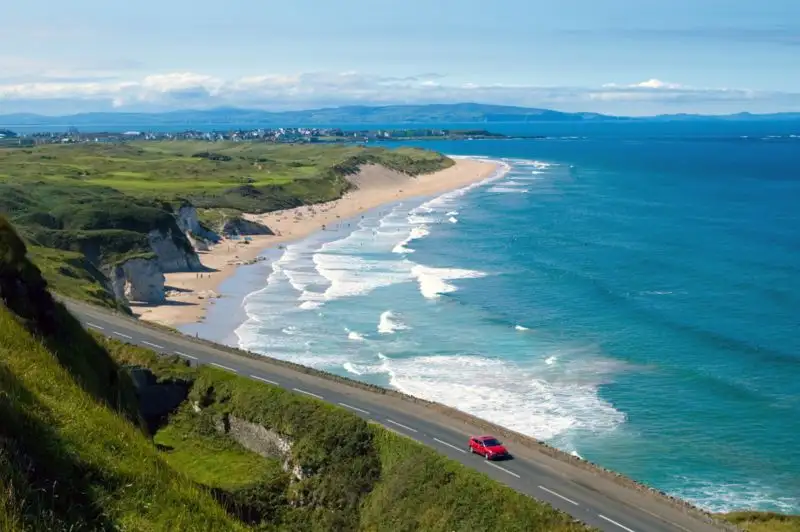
588,497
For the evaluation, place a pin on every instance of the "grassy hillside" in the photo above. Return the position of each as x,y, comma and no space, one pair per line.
72,456
86,206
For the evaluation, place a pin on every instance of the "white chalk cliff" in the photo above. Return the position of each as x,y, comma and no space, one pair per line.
174,252
138,280
142,280
189,223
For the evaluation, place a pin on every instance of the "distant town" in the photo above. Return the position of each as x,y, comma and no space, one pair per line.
289,135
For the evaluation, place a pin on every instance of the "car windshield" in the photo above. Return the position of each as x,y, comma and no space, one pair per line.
490,442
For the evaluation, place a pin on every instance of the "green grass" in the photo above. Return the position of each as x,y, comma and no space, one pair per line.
71,274
72,456
764,521
332,446
215,218
168,170
209,458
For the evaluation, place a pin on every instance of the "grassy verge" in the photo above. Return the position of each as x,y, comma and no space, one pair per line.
764,521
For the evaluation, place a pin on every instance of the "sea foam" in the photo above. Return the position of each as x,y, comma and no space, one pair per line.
433,282
508,190
389,323
353,335
505,393
421,231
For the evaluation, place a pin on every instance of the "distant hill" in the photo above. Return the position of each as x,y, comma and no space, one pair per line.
392,114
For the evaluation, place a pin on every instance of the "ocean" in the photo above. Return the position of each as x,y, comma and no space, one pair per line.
627,293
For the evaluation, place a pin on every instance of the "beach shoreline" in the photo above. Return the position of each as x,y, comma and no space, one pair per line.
189,294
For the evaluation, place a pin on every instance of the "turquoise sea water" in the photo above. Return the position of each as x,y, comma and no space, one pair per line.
628,294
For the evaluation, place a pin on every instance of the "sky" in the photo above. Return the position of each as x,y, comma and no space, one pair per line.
624,57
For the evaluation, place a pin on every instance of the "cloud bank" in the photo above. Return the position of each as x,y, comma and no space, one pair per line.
190,90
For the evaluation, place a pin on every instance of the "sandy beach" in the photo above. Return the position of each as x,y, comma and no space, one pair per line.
190,293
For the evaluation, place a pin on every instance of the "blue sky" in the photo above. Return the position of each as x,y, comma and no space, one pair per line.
630,57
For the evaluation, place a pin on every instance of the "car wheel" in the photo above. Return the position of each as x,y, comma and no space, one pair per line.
471,450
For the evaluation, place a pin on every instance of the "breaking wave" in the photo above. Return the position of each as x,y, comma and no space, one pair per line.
389,323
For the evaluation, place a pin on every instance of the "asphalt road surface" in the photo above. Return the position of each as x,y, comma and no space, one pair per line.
588,497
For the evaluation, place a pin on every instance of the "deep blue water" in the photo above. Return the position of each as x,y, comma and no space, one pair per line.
631,296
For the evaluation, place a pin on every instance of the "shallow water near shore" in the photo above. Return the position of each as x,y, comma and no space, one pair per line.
632,299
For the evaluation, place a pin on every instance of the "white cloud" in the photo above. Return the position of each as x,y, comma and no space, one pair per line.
180,90
652,83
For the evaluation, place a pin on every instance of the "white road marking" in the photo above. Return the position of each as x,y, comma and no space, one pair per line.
623,527
95,326
308,393
185,355
145,342
401,425
256,377
459,449
551,492
354,408
390,429
503,469
123,335
223,367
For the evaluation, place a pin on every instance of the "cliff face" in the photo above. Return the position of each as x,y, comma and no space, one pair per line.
175,247
142,280
138,280
188,222
174,252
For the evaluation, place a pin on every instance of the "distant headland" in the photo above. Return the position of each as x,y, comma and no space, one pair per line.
278,135
456,113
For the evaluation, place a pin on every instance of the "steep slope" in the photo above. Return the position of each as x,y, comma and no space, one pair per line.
72,456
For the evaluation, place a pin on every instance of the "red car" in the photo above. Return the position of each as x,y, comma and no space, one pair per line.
487,446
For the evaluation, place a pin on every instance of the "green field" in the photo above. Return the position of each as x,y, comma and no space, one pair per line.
209,174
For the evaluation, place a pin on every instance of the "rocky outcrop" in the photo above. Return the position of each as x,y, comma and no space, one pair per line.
139,280
189,223
260,440
240,226
174,252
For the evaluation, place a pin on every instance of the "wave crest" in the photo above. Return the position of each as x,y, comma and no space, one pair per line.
389,323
